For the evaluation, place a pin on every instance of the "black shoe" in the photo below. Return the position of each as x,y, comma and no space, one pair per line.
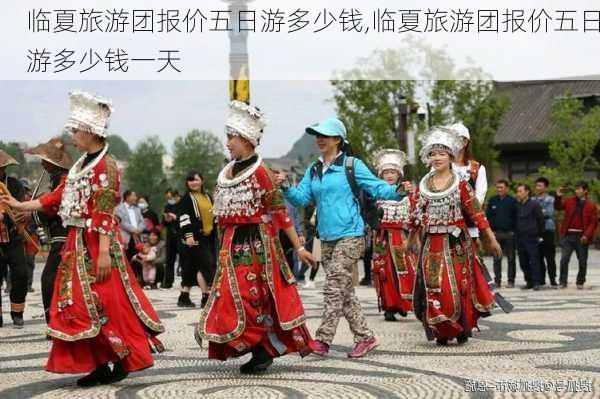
510,284
441,341
462,339
526,287
102,375
184,301
17,318
498,284
402,313
1,322
389,316
365,282
259,362
553,283
563,285
204,300
536,287
255,367
118,373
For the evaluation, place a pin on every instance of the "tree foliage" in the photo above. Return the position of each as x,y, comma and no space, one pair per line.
199,150
368,98
573,144
144,172
118,147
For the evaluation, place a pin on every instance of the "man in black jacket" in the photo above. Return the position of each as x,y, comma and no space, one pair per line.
530,230
12,251
56,162
501,212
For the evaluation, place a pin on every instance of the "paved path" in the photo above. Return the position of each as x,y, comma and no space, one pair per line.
548,347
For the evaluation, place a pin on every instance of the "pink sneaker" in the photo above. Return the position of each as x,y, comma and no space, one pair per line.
363,347
319,348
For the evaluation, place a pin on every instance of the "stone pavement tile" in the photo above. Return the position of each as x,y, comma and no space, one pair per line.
549,347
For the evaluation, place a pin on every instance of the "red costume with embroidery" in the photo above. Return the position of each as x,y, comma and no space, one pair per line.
254,300
93,323
393,266
451,292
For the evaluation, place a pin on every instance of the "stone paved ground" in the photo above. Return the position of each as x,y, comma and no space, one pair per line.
549,347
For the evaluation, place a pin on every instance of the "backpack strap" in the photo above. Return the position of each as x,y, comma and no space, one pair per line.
349,168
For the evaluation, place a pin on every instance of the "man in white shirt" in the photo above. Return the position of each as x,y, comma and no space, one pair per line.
131,223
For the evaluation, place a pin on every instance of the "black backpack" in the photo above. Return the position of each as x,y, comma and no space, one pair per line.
366,204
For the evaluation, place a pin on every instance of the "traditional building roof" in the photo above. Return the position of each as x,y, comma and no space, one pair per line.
528,121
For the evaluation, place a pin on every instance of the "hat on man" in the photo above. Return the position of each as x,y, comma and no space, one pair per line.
53,152
6,159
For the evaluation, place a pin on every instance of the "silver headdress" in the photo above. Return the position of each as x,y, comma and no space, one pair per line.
460,130
246,121
390,159
440,137
89,112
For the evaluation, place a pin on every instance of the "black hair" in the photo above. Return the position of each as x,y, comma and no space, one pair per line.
346,148
126,194
583,184
525,186
192,176
503,181
543,180
144,197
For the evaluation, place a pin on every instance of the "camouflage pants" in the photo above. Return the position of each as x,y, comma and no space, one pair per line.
339,259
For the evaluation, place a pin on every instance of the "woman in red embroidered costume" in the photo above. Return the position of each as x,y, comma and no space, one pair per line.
451,293
254,305
98,313
393,265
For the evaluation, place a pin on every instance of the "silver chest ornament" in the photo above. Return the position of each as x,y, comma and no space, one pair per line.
440,211
238,196
395,212
78,190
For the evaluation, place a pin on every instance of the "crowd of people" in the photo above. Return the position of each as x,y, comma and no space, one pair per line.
245,247
525,226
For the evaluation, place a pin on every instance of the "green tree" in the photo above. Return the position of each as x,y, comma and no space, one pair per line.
474,102
199,150
572,144
144,172
118,147
368,98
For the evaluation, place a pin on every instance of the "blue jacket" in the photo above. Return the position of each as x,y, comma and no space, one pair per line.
338,212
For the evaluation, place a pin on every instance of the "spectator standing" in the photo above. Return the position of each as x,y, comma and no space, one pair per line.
530,230
576,230
548,245
501,212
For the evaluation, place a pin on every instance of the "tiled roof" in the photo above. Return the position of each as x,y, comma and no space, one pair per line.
529,118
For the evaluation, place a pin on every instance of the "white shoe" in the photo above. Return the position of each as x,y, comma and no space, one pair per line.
309,284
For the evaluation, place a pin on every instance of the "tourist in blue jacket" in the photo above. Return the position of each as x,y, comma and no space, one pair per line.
341,229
